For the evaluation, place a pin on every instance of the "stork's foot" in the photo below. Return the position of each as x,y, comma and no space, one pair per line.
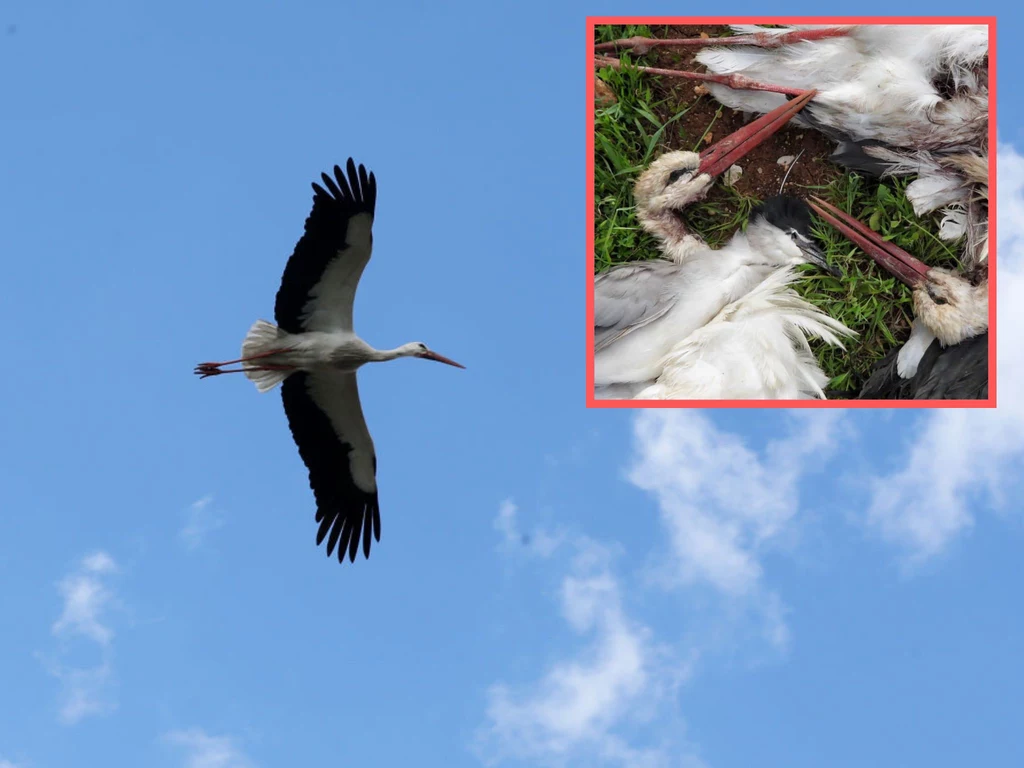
208,369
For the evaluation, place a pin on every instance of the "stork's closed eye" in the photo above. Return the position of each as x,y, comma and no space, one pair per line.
677,174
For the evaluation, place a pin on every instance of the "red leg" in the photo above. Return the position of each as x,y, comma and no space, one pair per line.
733,81
213,369
641,45
247,359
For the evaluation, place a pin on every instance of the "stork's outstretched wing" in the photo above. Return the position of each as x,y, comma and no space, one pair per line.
318,287
327,423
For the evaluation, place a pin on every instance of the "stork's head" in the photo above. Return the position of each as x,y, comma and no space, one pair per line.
951,306
421,350
670,183
677,179
779,231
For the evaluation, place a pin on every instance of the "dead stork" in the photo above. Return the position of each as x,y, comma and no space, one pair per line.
922,87
678,179
643,310
314,354
900,100
946,356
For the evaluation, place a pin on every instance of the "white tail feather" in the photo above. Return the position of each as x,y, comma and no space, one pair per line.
263,337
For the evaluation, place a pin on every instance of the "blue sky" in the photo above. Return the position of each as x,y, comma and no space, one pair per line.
533,601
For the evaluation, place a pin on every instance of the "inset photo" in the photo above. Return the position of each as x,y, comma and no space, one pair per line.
791,214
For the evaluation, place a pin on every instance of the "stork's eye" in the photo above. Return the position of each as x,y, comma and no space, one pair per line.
677,174
936,297
423,347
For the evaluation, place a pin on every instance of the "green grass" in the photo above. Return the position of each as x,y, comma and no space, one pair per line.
632,132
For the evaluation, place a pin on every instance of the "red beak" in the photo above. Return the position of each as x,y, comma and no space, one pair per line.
721,155
892,258
428,355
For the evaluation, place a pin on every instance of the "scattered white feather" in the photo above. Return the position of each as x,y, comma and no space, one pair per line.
909,357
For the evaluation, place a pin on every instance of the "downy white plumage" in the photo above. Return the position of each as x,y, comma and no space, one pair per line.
754,349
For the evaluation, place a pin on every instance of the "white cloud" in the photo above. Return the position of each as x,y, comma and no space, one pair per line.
980,452
540,542
86,692
98,562
205,751
576,707
505,522
723,505
201,520
86,595
6,764
722,502
85,599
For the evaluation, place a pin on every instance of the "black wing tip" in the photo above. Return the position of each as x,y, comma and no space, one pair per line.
352,186
345,531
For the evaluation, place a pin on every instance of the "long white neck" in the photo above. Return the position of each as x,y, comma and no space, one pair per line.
382,355
735,268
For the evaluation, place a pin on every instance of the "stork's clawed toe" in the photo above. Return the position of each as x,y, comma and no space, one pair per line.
206,369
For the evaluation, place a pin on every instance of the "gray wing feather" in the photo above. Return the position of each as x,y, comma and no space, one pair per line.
630,296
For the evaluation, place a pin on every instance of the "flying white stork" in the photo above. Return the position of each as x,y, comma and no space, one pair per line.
946,356
314,354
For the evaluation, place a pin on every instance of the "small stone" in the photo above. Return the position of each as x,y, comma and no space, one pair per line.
732,175
603,95
786,160
701,89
